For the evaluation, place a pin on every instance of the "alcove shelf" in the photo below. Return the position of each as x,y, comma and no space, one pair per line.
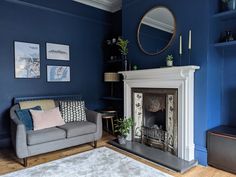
225,15
112,98
224,44
115,61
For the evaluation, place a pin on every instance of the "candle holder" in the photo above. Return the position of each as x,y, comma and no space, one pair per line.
189,56
180,59
180,49
189,46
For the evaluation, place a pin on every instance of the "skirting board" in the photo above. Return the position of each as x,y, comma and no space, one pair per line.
201,155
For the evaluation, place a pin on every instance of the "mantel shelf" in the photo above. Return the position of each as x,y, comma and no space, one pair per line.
225,15
224,44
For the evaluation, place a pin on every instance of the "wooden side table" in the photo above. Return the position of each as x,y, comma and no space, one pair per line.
109,115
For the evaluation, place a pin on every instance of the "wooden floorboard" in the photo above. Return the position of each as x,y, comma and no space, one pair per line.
9,163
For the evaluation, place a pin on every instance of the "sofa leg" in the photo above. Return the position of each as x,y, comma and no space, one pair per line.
25,161
95,144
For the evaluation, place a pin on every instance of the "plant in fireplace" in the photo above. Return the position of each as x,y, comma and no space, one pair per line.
123,127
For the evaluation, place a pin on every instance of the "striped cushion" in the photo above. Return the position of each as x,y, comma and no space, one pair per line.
72,111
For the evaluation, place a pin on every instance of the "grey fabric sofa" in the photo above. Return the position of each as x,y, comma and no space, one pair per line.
30,143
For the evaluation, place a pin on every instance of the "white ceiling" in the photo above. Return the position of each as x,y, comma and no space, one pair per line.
160,18
107,5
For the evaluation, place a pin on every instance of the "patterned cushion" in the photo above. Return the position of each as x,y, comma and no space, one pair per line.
72,111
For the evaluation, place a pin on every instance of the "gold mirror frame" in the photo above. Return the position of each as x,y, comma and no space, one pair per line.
171,40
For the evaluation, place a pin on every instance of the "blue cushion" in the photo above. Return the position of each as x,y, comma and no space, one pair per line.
25,117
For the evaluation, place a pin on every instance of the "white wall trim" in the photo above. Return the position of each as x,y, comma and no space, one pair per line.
181,78
103,4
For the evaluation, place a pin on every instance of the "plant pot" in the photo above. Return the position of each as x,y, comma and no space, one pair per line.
169,63
121,140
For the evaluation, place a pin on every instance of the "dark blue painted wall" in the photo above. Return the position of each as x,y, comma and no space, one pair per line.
194,15
84,29
229,72
229,86
65,22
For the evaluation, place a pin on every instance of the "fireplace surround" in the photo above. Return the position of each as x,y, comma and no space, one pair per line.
179,78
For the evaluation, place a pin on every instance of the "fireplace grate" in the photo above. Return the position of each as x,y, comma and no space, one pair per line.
156,137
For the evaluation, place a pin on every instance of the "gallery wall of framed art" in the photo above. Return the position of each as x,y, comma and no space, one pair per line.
27,61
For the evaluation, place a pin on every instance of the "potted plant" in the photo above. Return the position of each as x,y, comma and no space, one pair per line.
228,5
123,48
169,60
122,127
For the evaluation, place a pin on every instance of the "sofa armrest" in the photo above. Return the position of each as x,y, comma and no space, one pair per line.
18,134
96,118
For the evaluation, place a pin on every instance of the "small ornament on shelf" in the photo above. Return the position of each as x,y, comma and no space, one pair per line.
229,36
135,67
170,60
227,5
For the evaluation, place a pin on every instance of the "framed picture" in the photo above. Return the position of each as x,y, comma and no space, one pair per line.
58,73
27,60
58,52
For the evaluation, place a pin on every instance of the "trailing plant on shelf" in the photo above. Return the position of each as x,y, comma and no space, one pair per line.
123,127
123,48
169,60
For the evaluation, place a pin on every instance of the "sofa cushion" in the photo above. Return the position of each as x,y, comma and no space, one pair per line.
78,128
46,119
44,104
73,111
45,135
25,117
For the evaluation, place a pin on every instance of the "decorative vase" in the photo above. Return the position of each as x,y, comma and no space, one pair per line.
231,4
124,57
169,63
121,139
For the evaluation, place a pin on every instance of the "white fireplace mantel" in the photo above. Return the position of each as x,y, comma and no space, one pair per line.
181,78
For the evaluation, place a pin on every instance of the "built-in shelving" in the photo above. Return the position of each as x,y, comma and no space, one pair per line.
224,44
225,15
114,61
112,98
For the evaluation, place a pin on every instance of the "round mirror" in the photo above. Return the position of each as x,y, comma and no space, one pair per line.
156,30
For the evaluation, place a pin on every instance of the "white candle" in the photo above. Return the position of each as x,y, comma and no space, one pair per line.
180,45
190,40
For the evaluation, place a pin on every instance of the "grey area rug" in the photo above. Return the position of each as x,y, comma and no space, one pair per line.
100,162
